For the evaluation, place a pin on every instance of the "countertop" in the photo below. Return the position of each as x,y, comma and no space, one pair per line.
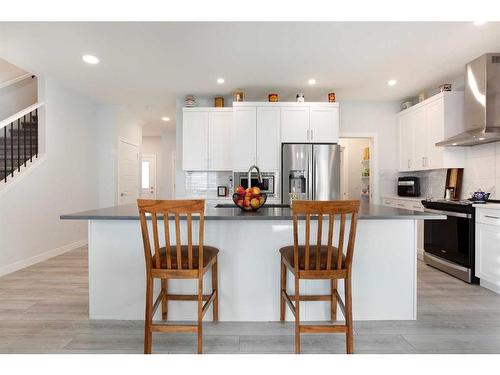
490,206
367,212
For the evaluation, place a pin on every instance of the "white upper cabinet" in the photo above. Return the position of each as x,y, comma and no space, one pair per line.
423,125
324,124
195,140
295,124
206,139
244,138
219,140
268,138
310,123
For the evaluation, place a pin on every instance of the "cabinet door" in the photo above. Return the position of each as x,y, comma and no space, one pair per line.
488,253
195,141
420,139
406,145
268,138
295,124
324,124
244,138
219,140
434,117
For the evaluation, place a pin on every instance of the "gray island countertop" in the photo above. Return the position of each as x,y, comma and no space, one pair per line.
367,212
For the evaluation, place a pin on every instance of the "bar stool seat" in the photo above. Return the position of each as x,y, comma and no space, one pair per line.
209,255
288,257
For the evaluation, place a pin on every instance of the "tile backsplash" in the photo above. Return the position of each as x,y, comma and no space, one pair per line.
204,184
481,171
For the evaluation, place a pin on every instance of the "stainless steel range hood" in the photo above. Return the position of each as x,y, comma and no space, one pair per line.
482,103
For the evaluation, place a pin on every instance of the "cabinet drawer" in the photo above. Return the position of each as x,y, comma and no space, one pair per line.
486,216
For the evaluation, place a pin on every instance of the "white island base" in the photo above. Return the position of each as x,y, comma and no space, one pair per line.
384,272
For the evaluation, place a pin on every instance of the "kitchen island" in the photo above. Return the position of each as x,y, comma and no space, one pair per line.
384,264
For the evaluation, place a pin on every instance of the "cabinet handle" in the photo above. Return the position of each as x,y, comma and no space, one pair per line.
308,138
312,135
408,163
492,217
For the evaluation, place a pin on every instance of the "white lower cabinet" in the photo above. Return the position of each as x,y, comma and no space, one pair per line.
487,267
414,205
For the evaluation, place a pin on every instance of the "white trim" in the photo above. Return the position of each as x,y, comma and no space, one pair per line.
489,285
286,104
9,268
15,80
25,171
19,114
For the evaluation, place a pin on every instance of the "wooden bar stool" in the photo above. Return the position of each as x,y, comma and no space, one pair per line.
320,262
176,262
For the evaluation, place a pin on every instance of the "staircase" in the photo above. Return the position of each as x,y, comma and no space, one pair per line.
18,142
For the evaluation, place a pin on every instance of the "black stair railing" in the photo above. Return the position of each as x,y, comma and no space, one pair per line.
18,142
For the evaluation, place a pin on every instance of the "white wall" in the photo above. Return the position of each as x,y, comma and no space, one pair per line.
17,97
65,182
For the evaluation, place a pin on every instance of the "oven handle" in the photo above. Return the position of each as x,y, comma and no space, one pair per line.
449,213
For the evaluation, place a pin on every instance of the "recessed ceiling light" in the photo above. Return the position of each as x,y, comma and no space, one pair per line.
454,144
165,119
392,82
220,81
312,81
482,139
90,59
479,23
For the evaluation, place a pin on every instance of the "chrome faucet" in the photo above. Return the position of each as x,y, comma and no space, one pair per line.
259,176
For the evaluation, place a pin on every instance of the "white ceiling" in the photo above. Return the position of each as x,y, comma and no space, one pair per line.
148,65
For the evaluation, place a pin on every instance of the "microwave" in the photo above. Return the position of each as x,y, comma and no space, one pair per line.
268,181
408,187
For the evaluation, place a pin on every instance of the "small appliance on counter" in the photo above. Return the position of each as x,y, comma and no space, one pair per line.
409,186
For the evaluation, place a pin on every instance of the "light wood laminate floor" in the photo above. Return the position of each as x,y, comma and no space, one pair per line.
44,309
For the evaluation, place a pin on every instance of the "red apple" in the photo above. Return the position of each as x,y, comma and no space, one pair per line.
256,191
240,190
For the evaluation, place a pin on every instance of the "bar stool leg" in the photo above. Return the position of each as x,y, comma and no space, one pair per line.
149,315
200,313
215,288
333,301
282,287
348,318
297,316
164,304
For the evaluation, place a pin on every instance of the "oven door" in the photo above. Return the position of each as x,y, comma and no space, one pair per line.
450,239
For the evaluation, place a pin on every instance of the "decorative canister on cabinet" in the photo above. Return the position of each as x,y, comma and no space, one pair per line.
422,96
445,87
273,97
238,96
219,101
300,97
331,97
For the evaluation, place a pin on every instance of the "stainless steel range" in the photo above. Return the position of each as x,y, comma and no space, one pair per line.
450,244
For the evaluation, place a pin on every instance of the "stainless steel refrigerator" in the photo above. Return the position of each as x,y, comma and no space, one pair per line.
310,171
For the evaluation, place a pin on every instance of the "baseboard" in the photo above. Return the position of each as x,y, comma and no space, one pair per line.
9,268
491,286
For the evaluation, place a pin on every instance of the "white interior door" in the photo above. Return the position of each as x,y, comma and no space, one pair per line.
128,172
148,177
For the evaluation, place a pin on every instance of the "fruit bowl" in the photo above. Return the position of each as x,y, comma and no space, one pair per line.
250,199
